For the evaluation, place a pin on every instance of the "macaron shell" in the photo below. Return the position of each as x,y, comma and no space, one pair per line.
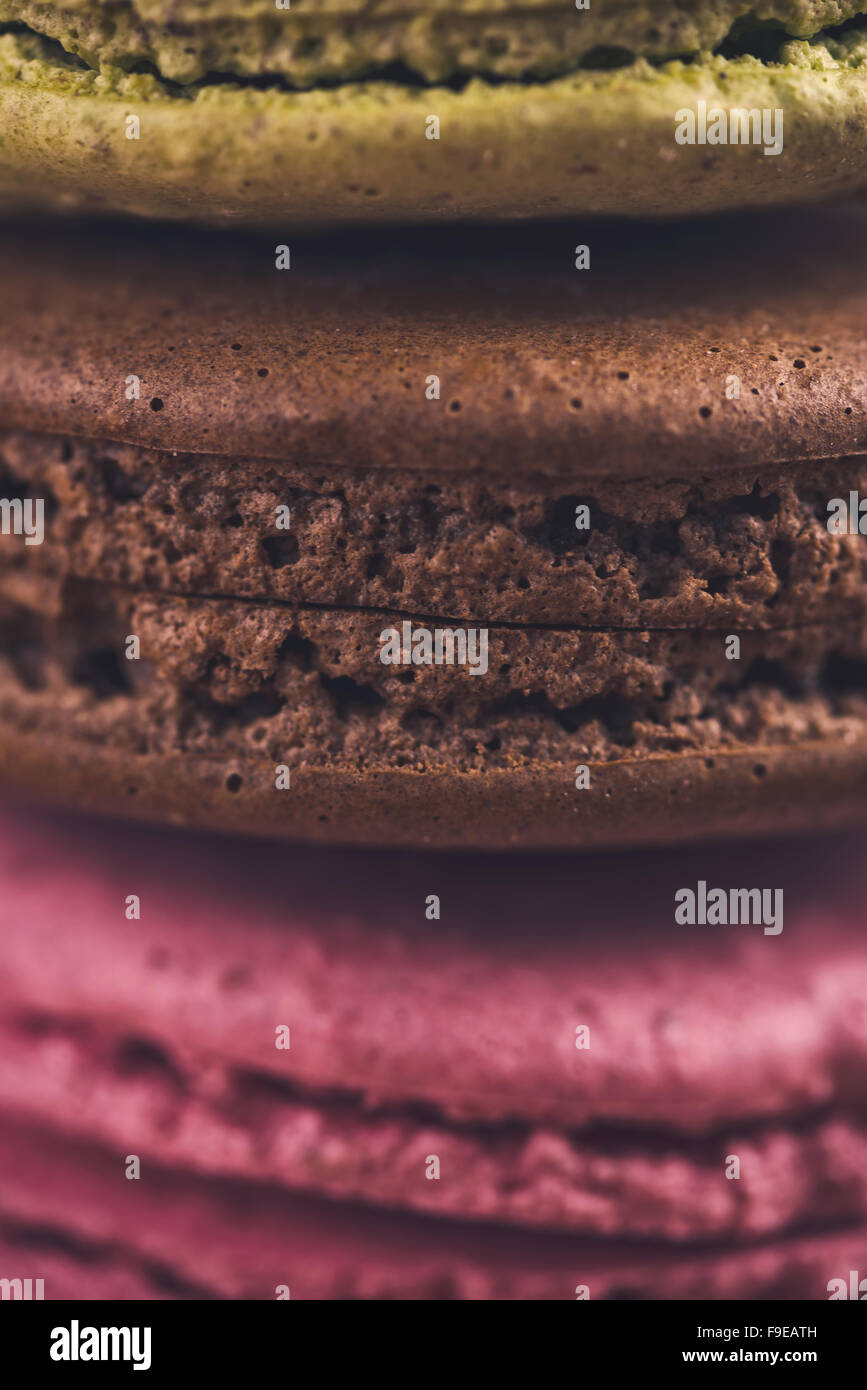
606,374
592,142
221,936
660,800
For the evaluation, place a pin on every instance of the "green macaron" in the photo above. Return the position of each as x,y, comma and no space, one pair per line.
332,110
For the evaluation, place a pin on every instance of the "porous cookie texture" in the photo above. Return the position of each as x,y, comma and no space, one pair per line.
749,549
222,679
338,40
320,114
261,492
307,1165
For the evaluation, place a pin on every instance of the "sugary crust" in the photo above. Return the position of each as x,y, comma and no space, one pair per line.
651,801
541,373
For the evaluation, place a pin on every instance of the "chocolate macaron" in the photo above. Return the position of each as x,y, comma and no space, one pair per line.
350,544
336,110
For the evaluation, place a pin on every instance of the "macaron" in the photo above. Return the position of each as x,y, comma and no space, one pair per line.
321,112
348,554
335,1090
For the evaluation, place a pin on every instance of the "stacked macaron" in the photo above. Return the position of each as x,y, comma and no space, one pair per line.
543,538
268,496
